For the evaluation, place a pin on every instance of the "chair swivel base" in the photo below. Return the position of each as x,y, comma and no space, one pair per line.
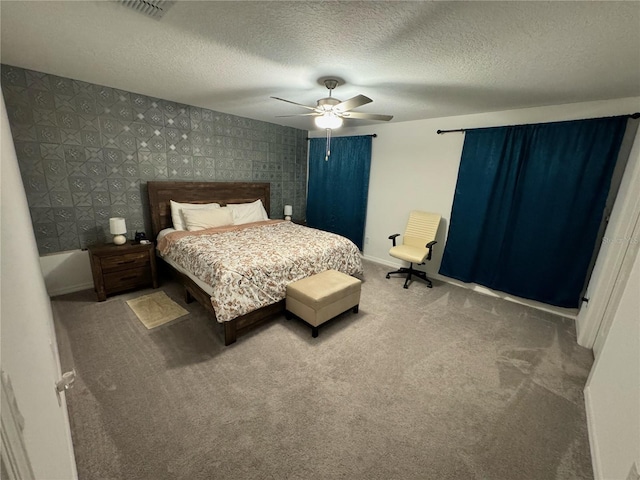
410,272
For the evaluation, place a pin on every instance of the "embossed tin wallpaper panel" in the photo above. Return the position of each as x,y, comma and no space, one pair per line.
86,152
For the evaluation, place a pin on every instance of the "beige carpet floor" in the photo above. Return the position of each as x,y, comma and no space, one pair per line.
439,383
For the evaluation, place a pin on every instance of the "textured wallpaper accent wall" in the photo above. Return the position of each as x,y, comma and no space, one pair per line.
86,151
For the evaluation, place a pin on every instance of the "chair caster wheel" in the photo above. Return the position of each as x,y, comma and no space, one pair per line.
429,286
405,286
388,276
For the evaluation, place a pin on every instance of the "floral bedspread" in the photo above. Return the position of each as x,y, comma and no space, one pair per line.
249,266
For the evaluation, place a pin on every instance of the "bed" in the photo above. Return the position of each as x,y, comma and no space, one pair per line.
241,277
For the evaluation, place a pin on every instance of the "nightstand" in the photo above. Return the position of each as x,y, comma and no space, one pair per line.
117,268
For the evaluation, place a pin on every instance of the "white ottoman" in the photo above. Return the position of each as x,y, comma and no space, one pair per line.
323,296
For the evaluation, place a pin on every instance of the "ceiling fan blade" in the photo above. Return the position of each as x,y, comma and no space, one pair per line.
316,114
295,103
352,103
367,116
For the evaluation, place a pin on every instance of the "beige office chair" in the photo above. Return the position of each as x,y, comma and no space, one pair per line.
419,239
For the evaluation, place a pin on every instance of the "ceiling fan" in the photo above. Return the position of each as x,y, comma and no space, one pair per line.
330,111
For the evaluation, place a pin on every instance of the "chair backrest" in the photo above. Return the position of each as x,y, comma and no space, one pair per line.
421,228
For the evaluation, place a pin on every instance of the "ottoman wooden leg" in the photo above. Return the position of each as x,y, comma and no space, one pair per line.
355,309
314,332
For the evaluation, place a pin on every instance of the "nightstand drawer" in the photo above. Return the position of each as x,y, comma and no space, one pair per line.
116,268
125,279
126,261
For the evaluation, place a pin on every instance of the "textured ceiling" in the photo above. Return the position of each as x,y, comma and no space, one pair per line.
414,59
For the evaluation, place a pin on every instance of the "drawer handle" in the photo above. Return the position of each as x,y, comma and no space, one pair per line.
126,261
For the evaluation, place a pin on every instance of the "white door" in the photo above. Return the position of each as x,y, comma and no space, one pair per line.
36,437
614,261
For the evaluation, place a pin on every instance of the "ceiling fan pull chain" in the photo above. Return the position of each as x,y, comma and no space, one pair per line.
326,157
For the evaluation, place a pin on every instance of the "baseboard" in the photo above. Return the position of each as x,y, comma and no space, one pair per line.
593,438
66,272
70,289
571,313
387,263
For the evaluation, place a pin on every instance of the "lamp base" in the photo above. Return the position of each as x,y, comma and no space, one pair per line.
119,239
287,218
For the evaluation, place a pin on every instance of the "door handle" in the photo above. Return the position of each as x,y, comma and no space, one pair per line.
65,383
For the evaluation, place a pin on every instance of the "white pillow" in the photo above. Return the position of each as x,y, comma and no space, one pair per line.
164,232
176,208
206,218
248,212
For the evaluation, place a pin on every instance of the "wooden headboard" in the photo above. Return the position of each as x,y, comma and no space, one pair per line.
160,193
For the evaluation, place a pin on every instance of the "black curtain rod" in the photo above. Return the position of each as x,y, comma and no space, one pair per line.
440,132
374,135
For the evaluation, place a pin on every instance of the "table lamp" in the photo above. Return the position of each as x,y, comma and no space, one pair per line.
118,228
288,211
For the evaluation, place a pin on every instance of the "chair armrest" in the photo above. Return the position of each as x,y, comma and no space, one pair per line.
430,246
393,238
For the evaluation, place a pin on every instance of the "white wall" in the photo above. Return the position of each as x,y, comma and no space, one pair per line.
66,272
613,389
29,352
413,167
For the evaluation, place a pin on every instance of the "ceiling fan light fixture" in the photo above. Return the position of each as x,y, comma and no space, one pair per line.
328,120
330,111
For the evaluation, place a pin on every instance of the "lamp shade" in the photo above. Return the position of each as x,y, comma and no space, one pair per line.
117,226
328,120
288,210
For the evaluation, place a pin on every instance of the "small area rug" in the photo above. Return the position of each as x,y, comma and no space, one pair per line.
156,309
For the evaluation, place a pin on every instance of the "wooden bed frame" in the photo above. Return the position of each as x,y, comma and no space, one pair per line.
160,194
